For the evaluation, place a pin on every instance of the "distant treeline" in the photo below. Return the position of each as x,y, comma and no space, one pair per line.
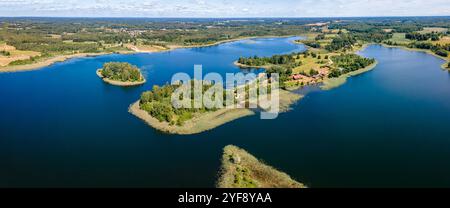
262,61
441,50
422,37
312,44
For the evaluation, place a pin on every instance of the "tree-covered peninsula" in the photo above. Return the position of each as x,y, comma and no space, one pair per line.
155,107
121,74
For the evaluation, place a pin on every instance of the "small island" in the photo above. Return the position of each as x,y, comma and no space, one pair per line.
242,170
121,74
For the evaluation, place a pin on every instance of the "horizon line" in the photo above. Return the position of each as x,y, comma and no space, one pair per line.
137,17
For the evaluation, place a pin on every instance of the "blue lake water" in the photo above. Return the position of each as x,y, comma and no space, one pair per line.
62,126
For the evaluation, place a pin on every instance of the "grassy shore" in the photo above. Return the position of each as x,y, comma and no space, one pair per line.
242,170
119,83
287,99
330,83
198,124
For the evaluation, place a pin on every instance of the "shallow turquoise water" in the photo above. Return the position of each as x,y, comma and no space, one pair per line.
62,126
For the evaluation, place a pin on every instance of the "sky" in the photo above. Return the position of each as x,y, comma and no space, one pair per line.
223,8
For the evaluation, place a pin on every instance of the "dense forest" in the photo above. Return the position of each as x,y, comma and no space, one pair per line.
343,41
312,44
121,71
157,103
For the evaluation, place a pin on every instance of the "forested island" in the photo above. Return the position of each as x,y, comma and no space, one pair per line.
121,74
242,170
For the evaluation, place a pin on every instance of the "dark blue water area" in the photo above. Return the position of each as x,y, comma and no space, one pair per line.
61,126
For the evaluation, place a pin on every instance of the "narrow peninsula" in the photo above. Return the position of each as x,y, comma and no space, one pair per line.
121,74
242,170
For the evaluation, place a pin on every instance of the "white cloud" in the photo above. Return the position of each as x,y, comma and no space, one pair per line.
223,8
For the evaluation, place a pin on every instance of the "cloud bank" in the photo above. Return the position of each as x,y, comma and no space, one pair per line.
223,8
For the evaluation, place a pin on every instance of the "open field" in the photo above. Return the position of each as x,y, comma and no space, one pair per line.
433,29
14,54
309,63
400,38
309,35
443,41
46,62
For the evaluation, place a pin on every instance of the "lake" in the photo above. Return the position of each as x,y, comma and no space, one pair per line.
62,126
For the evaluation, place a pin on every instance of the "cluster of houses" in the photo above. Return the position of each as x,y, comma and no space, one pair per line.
323,72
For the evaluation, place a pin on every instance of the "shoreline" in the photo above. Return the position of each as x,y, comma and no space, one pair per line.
47,62
230,40
119,83
61,58
243,66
